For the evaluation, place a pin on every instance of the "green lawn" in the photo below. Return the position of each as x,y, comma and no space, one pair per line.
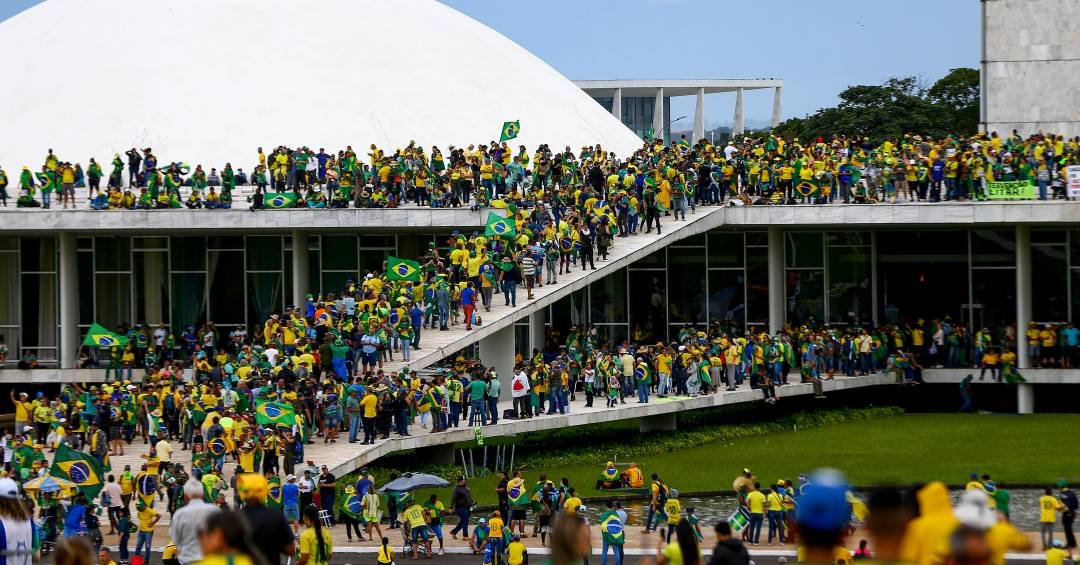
901,450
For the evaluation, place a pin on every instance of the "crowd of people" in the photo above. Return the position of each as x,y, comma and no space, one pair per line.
763,169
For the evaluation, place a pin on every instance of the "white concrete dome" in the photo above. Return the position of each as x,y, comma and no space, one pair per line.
209,81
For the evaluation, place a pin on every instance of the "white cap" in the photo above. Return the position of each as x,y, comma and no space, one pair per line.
8,488
28,428
290,478
63,420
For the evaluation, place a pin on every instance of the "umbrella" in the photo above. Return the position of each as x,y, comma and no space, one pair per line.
412,481
49,484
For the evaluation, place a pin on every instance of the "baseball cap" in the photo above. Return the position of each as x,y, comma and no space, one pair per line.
8,488
823,504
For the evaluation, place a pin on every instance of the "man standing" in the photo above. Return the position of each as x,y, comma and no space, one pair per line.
353,412
307,488
462,501
1068,515
369,404
614,536
327,485
187,521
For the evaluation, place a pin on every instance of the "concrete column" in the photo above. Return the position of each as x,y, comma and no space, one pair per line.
658,114
1023,293
777,106
497,350
69,300
737,125
616,104
300,273
1025,398
777,288
537,330
699,116
657,423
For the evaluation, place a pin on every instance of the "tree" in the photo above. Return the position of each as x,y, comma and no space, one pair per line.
898,106
959,92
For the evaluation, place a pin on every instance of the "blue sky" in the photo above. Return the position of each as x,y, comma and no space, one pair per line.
817,48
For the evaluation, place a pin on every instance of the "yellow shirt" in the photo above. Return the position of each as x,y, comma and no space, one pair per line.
775,502
673,508
1056,556
756,501
572,504
146,519
22,412
515,553
386,554
1048,508
369,403
309,545
238,559
495,527
414,516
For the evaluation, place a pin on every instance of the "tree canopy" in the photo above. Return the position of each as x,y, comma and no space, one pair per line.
901,105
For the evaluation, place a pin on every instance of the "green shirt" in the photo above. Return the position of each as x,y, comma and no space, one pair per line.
1001,497
476,389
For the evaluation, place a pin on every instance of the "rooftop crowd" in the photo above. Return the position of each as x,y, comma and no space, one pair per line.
753,169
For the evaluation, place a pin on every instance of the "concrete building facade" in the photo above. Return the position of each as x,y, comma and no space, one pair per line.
1031,66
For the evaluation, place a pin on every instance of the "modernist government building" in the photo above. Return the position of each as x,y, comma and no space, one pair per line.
756,267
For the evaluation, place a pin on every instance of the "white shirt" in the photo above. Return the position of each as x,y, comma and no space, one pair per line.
519,386
114,492
159,336
305,485
271,355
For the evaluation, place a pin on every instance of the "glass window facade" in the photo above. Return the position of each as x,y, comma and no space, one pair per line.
833,277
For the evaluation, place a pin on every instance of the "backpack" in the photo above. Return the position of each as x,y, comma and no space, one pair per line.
662,496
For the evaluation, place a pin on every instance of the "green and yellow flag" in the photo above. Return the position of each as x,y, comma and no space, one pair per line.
79,468
275,414
510,130
499,226
807,188
402,269
98,336
273,499
279,200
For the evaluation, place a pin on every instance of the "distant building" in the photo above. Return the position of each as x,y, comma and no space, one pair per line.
644,106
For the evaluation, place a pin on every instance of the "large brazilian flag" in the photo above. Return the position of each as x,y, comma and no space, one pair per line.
79,468
498,226
98,336
510,130
402,270
808,188
275,413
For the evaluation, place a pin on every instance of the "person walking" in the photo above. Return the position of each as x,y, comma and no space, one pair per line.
462,501
187,522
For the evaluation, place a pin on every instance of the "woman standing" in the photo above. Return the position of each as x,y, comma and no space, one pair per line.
316,545
683,551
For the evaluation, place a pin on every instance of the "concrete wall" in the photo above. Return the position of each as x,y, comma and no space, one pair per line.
1031,69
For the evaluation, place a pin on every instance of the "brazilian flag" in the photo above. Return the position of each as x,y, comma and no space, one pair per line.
98,336
279,200
517,495
351,506
643,373
217,447
273,500
611,527
275,413
79,468
510,130
808,188
498,226
146,485
402,270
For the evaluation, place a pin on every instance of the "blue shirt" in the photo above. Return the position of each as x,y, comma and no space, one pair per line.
467,296
416,316
363,486
937,170
1072,336
290,494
